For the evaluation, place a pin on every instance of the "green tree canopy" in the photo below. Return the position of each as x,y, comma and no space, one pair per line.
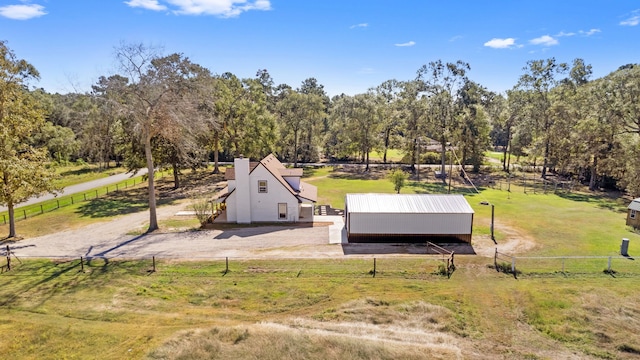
23,173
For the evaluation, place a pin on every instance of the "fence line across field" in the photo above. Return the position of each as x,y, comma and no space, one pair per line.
570,263
405,266
24,212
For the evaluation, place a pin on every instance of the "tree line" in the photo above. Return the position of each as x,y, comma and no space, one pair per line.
167,111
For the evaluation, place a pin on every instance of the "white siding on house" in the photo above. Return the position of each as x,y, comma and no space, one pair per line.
243,198
264,206
231,207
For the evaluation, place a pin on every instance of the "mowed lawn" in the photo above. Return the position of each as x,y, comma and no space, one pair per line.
561,224
335,308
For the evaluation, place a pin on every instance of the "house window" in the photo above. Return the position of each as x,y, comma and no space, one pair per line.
282,211
632,214
262,186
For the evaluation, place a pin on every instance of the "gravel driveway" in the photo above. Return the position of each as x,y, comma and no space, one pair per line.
113,239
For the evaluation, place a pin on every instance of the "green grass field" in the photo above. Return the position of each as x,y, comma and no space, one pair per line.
335,308
119,309
393,155
76,174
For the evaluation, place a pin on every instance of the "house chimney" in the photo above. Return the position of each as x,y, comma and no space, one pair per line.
243,191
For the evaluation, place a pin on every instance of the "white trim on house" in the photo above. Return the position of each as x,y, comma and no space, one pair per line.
258,191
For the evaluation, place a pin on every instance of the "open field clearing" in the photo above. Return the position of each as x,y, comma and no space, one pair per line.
312,309
281,302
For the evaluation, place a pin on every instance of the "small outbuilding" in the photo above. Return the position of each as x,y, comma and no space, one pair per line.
408,218
633,213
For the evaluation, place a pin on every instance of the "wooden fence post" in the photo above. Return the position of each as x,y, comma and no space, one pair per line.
96,194
226,267
495,260
24,213
608,266
374,267
57,204
4,219
41,209
81,264
8,258
85,196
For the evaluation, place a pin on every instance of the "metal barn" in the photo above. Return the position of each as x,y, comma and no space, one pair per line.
408,218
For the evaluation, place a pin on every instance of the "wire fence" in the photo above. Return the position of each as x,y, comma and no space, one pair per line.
611,265
533,183
409,267
24,212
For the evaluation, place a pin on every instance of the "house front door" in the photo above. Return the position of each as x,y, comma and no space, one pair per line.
282,211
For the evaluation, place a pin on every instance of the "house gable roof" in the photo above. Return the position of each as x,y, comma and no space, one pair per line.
279,171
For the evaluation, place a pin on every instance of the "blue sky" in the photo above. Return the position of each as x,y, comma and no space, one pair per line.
348,45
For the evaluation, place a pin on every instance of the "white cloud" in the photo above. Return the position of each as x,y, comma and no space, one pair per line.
544,40
410,43
501,43
222,8
590,32
363,25
146,4
562,33
633,20
456,38
22,12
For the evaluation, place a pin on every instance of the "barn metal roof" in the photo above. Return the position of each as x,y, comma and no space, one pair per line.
407,203
635,205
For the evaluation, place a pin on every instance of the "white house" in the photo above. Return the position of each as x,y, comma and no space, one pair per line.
408,218
267,191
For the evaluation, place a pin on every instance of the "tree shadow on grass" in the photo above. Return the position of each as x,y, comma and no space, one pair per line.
441,188
118,204
603,202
